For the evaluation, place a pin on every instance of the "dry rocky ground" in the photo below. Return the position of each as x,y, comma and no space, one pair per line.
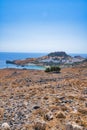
36,100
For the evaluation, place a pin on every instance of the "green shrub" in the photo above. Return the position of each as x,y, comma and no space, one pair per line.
53,69
47,70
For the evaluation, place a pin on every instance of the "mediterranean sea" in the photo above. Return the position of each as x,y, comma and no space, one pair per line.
18,56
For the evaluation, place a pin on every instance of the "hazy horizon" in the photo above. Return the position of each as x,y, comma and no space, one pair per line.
43,26
43,52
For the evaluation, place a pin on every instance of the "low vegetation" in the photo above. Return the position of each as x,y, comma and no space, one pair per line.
53,69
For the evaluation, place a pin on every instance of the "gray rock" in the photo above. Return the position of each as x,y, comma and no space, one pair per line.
39,126
73,126
48,116
5,126
86,104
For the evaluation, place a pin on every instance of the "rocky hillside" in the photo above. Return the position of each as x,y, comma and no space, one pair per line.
35,100
59,54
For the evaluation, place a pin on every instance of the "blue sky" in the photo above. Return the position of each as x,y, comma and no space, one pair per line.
43,26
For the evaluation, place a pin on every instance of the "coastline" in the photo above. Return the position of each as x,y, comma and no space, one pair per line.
23,56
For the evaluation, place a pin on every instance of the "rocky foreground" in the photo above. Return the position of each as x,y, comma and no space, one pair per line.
36,100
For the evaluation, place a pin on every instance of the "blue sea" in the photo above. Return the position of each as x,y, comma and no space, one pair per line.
17,56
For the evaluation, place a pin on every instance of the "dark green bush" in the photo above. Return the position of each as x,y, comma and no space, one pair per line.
53,69
47,70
